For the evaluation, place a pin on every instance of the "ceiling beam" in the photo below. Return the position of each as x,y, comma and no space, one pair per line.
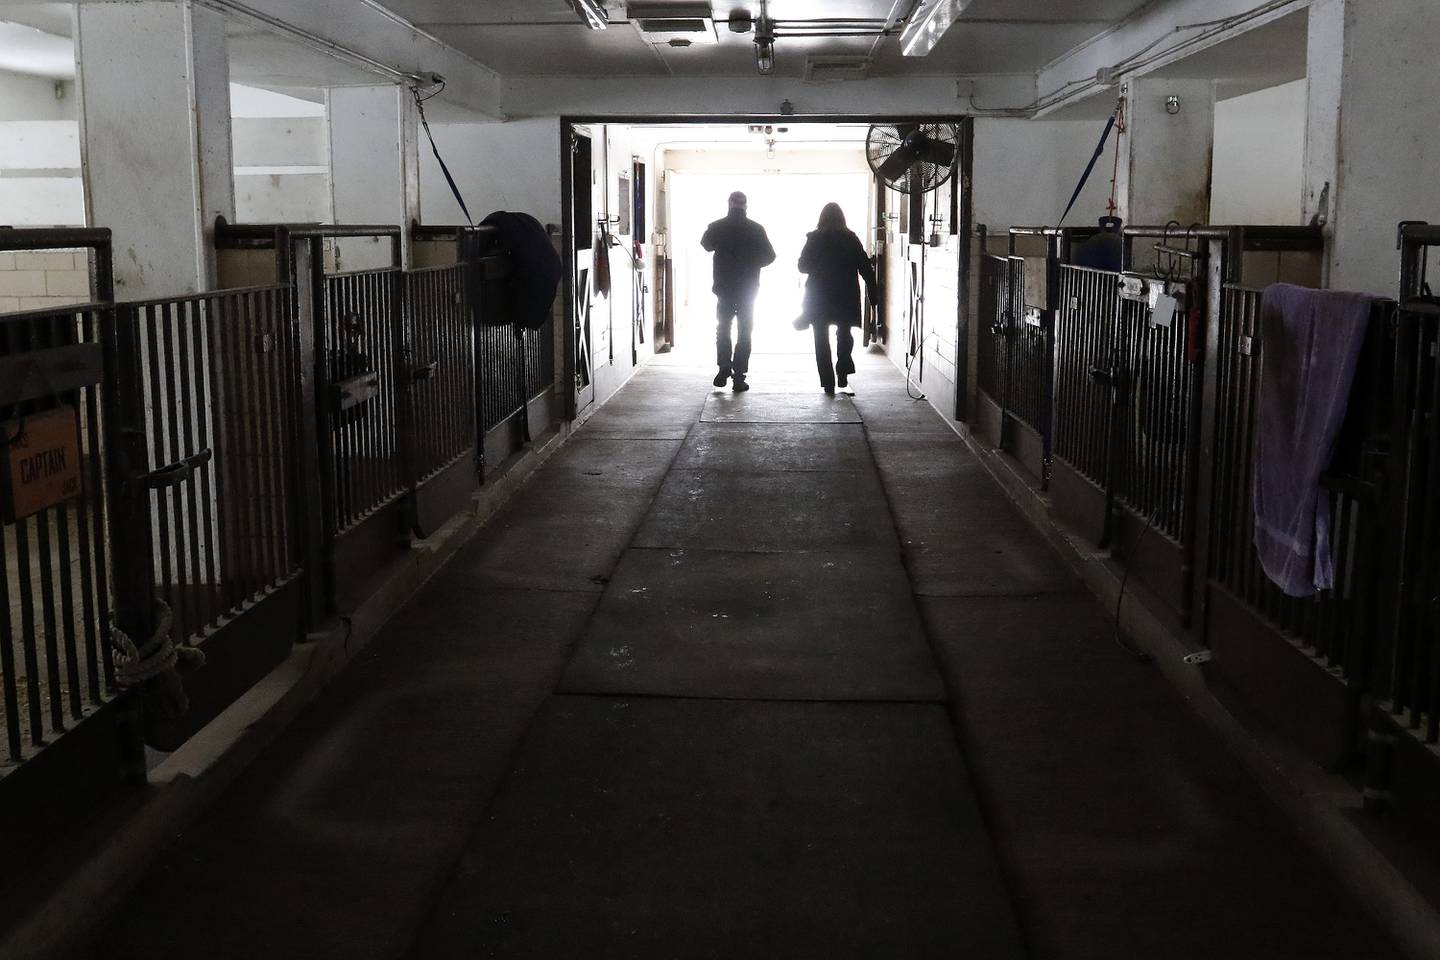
1161,33
758,96
365,33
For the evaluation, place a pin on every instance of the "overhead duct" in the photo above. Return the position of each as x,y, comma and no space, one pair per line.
819,69
665,23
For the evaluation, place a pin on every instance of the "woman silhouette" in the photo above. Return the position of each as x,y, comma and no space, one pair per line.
835,261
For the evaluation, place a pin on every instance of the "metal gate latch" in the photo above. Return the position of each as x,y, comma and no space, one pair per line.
174,473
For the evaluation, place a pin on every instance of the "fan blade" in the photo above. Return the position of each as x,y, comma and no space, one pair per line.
902,159
938,152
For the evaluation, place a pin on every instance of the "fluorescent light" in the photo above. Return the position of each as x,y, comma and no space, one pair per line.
592,12
928,25
765,56
765,45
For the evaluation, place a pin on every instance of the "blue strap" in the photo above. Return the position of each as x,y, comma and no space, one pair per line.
1085,177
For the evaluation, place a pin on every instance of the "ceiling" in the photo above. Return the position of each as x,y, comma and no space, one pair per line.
545,38
39,33
1264,57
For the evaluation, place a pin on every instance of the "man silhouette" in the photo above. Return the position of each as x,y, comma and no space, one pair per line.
741,251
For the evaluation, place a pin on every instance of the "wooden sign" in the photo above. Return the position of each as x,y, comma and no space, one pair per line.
41,466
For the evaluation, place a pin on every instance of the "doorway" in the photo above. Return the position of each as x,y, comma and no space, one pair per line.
787,205
652,186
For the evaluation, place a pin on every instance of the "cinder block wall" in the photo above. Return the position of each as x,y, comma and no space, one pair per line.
33,281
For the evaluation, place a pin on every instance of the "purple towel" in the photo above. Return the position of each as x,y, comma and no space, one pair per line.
1311,341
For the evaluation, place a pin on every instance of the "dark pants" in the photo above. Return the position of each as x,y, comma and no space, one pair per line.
734,359
844,347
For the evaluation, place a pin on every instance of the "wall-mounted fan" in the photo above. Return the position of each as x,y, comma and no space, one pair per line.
913,157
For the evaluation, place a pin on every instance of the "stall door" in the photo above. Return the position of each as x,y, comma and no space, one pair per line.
582,232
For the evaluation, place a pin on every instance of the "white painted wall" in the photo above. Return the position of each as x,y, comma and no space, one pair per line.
41,201
282,157
282,198
1165,167
755,161
280,142
40,183
40,145
1389,138
497,166
33,98
1260,157
373,167
1025,171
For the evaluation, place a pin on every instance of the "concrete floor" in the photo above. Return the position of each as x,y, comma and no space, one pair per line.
774,676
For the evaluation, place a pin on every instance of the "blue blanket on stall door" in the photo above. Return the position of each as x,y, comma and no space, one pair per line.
1311,341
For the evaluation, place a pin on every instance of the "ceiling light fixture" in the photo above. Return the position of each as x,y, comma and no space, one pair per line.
928,24
765,42
593,12
765,56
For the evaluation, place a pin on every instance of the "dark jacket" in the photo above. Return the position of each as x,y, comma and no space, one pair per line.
835,261
741,250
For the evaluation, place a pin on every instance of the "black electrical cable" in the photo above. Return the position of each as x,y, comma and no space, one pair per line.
916,347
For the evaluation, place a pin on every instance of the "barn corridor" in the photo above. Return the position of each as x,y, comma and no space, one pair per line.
776,675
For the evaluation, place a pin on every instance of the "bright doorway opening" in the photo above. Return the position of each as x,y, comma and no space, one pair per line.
787,205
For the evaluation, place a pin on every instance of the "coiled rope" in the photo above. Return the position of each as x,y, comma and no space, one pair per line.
159,658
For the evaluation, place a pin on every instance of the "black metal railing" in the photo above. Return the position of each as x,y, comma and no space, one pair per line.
540,355
440,333
501,364
1411,684
55,664
1031,362
216,380
995,321
362,340
217,458
1085,341
1408,679
1336,626
1161,389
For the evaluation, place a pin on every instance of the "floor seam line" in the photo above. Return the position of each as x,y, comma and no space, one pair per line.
1008,884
